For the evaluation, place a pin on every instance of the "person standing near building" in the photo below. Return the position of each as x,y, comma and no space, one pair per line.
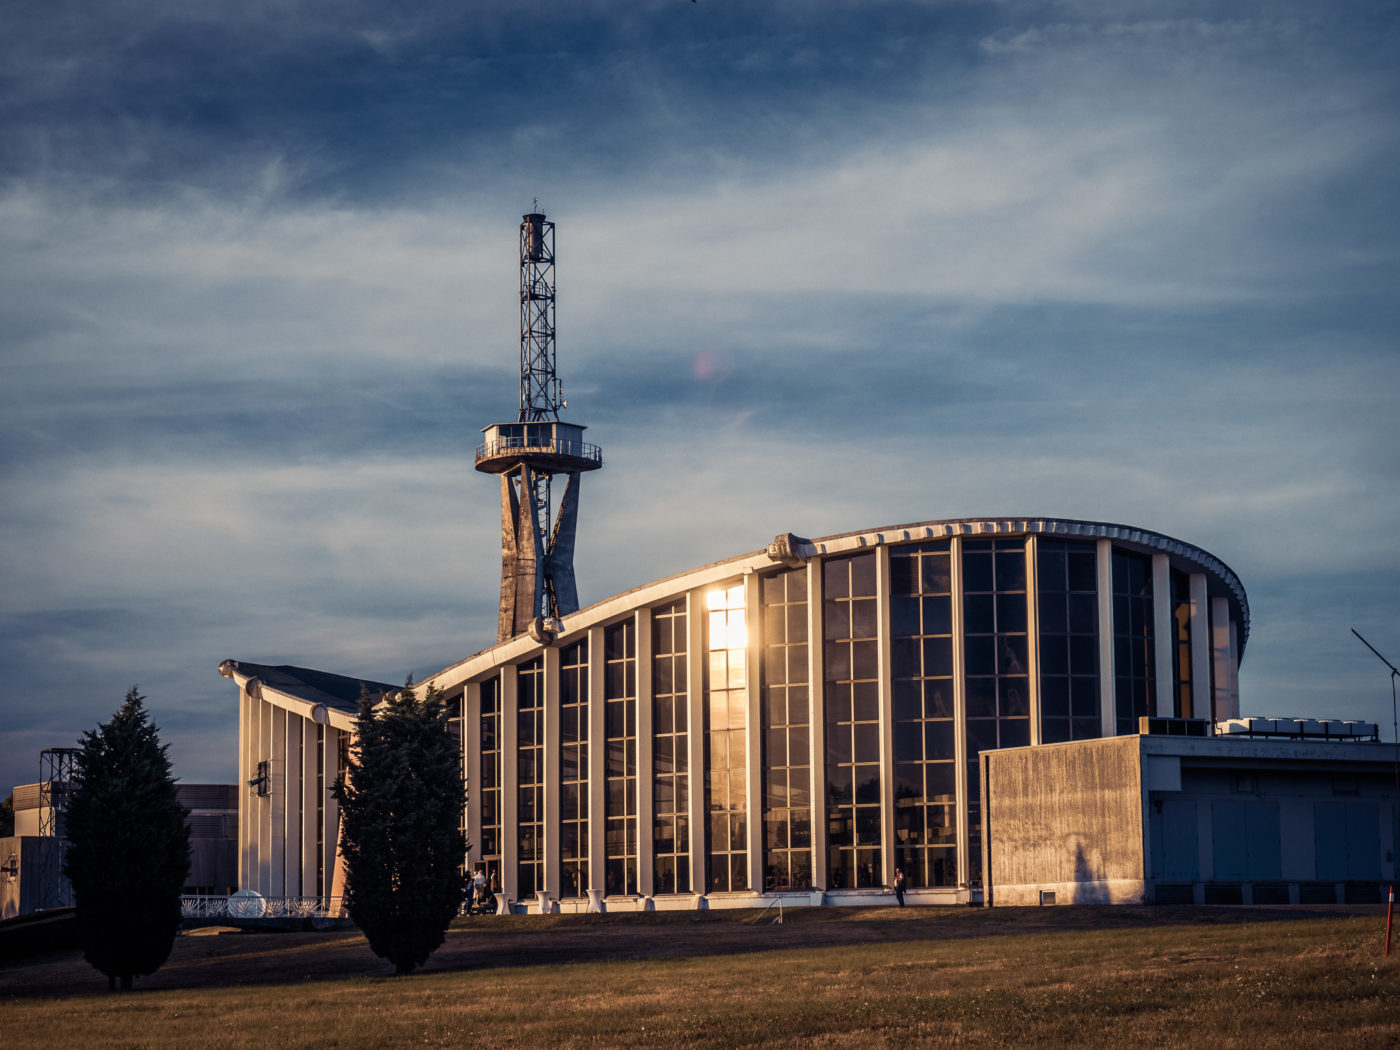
899,886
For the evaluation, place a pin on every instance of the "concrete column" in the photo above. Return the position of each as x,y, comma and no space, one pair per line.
471,760
962,787
1107,713
695,737
753,734
1200,647
277,866
331,834
886,701
550,880
263,803
1033,636
1163,636
597,764
247,769
1220,657
646,808
816,720
1234,670
308,808
510,783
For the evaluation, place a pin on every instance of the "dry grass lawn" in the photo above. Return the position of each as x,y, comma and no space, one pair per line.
1146,977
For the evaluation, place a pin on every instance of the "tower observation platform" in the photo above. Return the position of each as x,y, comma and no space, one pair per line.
537,547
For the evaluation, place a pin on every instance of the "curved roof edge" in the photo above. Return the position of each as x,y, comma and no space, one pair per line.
668,586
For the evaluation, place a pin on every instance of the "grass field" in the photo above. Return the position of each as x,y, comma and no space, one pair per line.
827,977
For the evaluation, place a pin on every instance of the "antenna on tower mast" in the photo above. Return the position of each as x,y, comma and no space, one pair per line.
537,557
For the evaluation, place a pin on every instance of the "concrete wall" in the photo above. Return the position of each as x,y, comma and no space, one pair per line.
37,881
1067,820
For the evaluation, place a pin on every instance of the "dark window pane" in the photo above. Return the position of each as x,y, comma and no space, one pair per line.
838,620
1014,702
1053,619
902,579
904,616
1011,655
836,578
1054,697
908,700
865,702
977,614
1054,655
1083,571
1011,571
863,575
864,618
1011,613
1083,613
980,653
867,742
977,571
935,573
1015,732
938,699
981,697
939,740
1084,654
938,615
938,657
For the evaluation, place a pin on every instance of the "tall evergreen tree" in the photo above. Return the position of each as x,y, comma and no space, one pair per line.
128,846
400,810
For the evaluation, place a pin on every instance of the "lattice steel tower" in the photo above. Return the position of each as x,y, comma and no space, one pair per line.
537,558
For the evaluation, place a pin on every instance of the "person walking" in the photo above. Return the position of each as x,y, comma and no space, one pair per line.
899,886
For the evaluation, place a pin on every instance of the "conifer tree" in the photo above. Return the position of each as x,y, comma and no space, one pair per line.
128,846
400,809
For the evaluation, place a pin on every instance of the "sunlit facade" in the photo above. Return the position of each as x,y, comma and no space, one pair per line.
806,718
802,719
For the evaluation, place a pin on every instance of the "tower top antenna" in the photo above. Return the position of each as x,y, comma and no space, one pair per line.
537,558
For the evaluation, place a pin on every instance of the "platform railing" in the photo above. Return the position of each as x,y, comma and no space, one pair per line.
211,907
517,446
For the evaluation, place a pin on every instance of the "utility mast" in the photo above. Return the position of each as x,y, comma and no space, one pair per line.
537,557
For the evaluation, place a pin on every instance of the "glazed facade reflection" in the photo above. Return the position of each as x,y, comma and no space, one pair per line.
809,727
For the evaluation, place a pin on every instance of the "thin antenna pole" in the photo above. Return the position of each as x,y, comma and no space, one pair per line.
1395,729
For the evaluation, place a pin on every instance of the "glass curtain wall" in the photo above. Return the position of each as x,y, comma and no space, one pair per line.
726,689
490,786
995,661
620,719
1181,658
573,770
1067,585
1134,665
529,765
787,771
925,793
670,721
852,705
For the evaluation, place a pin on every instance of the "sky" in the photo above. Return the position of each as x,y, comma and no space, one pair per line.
822,266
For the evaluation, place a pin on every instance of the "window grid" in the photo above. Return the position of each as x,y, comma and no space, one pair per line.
670,722
852,706
925,794
620,735
490,786
1134,666
573,770
787,771
1067,583
995,662
529,767
726,794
